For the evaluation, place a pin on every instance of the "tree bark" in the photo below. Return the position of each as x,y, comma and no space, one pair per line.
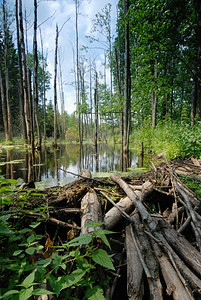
55,86
7,90
24,73
91,211
127,91
35,75
135,283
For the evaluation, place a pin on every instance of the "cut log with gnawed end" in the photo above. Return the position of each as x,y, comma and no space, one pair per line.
91,211
114,215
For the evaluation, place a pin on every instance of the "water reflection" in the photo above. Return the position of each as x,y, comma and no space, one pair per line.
49,163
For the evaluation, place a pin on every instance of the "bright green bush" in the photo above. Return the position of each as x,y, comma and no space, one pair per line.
72,134
179,140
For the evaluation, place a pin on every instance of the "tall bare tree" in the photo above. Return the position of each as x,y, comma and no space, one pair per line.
35,75
24,75
7,93
55,85
127,91
21,92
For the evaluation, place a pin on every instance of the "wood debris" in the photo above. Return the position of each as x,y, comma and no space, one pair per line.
157,248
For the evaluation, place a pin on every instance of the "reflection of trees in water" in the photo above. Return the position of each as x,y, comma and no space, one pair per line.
48,162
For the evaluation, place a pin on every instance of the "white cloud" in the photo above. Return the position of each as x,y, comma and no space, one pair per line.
61,10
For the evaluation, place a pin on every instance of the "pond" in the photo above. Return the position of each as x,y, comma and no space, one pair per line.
50,167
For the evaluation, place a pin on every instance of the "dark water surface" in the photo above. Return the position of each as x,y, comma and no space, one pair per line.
49,165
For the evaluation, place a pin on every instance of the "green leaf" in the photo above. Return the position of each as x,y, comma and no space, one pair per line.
100,233
28,280
9,293
30,250
26,293
82,239
102,258
73,278
17,252
30,239
96,293
34,225
25,230
44,262
39,292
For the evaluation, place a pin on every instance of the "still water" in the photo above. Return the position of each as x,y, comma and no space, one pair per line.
49,166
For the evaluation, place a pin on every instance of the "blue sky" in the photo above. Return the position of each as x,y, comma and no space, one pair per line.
61,10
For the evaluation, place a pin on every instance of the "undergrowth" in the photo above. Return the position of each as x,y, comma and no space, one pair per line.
179,140
32,265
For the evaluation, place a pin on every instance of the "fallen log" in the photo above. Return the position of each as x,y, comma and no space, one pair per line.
91,211
155,286
174,285
115,214
135,283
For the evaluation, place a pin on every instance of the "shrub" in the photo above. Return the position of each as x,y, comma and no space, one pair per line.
72,134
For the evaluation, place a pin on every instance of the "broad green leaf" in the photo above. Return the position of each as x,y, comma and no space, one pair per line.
28,280
82,239
96,293
9,293
26,293
17,252
73,278
102,258
30,239
39,292
30,250
44,262
100,233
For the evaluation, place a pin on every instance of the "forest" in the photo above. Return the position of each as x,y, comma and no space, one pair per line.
133,234
152,93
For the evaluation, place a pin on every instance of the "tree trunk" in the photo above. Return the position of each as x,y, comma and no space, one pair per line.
55,86
7,94
35,77
3,105
197,8
21,91
24,73
96,115
127,91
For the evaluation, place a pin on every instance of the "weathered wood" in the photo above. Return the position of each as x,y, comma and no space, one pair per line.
174,285
182,246
138,204
151,261
91,211
114,215
135,284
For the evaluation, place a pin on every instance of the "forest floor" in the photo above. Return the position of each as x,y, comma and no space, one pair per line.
155,217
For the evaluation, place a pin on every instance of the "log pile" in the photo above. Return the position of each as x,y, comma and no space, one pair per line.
158,224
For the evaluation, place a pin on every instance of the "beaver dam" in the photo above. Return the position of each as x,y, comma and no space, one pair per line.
136,237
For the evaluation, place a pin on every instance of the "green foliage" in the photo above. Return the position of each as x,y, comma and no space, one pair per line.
193,184
27,265
72,134
179,140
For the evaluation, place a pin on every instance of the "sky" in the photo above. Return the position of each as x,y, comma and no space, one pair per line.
52,12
